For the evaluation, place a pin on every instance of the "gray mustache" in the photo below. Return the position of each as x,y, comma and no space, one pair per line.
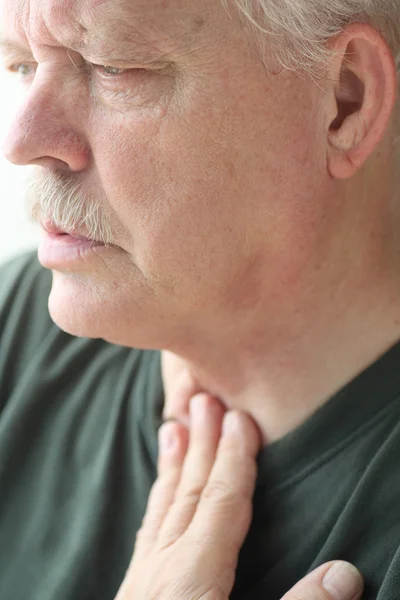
57,198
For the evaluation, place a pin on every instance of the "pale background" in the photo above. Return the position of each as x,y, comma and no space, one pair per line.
16,232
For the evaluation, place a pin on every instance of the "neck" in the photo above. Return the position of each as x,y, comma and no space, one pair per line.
283,357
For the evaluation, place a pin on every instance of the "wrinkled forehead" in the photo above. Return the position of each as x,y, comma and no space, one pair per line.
43,20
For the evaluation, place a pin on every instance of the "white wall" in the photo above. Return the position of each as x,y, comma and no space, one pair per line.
16,231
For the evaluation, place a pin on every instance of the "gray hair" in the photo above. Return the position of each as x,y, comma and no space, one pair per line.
299,29
57,198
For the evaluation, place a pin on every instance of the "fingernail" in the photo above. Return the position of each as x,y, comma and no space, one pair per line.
196,406
167,438
231,424
199,409
342,581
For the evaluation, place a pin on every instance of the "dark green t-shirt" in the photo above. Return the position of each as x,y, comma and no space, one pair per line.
78,448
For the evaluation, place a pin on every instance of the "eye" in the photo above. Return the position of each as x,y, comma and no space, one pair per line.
109,71
112,70
23,69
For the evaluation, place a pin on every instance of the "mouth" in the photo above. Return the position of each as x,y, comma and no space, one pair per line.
64,250
50,228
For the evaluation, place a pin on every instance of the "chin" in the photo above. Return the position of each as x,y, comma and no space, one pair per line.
73,312
83,309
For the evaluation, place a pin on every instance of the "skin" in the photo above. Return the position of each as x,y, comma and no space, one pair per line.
256,229
199,512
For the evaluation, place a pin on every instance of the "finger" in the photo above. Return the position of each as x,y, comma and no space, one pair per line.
173,444
223,514
206,415
332,581
179,386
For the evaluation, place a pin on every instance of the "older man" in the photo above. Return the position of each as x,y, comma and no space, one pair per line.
220,180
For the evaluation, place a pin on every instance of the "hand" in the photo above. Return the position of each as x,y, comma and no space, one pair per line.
199,512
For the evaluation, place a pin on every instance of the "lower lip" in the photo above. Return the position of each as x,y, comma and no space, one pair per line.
62,250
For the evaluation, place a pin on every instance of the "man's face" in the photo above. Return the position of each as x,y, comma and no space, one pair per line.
204,165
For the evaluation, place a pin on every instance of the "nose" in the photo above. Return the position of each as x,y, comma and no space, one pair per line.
45,131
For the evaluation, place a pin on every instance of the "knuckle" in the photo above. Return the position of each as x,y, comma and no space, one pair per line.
161,487
166,480
191,494
219,491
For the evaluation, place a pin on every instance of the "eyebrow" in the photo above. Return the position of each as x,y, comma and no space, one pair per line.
128,53
131,44
8,46
139,52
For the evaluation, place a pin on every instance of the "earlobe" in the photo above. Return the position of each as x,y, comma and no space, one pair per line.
364,98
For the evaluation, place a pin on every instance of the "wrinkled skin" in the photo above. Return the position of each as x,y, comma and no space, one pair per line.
254,211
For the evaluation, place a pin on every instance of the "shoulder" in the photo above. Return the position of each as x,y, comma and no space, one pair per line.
24,290
32,346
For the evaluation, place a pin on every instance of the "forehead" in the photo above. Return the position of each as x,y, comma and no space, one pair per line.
45,21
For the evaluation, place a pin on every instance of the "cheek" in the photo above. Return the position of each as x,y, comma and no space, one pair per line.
192,194
129,178
165,196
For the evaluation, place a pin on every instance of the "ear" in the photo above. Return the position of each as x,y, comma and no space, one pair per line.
362,99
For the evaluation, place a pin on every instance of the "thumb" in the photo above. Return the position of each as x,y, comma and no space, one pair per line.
332,581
